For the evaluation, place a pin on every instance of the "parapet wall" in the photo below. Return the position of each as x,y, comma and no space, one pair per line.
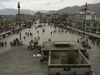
82,58
78,71
68,69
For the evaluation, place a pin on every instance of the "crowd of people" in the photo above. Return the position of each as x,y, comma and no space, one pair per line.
15,42
3,44
28,33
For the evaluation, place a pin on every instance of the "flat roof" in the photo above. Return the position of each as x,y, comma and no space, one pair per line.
61,43
51,45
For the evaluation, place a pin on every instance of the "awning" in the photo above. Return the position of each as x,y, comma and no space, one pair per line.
0,27
5,25
97,32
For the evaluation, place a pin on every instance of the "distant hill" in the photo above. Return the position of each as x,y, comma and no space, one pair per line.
9,11
72,10
15,11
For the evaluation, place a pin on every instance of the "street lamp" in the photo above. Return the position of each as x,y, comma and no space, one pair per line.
19,19
83,40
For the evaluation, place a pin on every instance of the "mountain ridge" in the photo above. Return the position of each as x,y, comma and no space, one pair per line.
69,9
9,11
72,10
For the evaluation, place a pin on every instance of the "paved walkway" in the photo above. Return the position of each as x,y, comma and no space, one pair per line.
20,61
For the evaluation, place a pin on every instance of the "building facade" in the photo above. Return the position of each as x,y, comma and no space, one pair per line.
92,21
24,17
6,23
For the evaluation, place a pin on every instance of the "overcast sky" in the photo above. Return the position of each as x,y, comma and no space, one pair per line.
44,4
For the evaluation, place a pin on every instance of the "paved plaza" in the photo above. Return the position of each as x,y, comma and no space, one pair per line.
19,60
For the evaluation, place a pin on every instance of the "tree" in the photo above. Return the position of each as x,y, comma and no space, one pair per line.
44,18
55,14
71,57
40,20
63,17
33,19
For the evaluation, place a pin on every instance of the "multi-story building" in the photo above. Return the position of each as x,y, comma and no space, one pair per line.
24,17
92,21
43,15
89,15
5,23
52,17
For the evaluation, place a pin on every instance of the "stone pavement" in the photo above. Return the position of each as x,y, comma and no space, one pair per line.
20,61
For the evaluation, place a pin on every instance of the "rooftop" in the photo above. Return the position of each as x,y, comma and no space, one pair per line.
61,46
59,59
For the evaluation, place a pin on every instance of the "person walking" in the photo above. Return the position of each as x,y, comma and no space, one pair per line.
78,40
87,40
51,32
38,37
5,43
24,37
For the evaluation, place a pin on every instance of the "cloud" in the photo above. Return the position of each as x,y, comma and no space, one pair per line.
43,4
61,0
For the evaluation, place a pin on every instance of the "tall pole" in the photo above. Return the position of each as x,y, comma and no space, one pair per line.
84,22
19,19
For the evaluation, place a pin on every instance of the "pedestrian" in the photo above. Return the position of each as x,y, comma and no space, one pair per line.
51,32
49,39
81,38
24,37
15,42
18,42
87,40
29,43
28,34
2,44
28,47
78,40
32,41
38,37
94,42
37,31
5,43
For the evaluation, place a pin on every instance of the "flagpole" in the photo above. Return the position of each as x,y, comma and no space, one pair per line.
84,24
85,21
19,20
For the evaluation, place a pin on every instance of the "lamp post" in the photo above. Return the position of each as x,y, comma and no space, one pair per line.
84,21
19,19
83,40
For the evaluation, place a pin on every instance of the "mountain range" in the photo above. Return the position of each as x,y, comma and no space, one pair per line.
74,9
9,11
71,10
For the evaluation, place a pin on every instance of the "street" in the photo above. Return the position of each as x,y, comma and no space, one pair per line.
19,60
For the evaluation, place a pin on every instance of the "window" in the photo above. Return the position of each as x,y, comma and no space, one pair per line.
99,25
95,24
91,16
88,24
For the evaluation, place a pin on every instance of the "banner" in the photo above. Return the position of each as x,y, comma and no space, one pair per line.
0,27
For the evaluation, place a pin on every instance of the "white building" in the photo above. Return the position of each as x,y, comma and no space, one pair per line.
89,15
92,21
